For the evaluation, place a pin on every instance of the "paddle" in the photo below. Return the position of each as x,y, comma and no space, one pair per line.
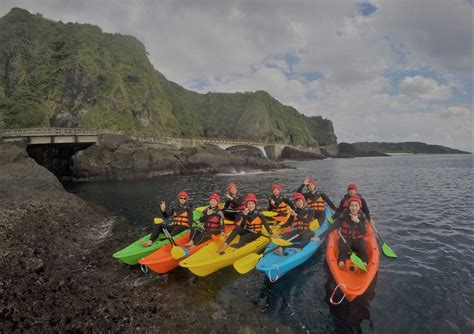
276,241
269,213
386,250
354,258
248,262
176,249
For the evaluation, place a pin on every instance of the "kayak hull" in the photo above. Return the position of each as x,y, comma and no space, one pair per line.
161,261
135,251
207,260
353,283
276,266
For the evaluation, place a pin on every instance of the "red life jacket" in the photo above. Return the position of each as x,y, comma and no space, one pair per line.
213,224
351,232
240,207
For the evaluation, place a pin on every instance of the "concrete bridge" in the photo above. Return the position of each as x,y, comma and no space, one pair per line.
45,136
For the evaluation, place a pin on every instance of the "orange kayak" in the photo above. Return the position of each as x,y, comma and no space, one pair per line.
162,261
351,280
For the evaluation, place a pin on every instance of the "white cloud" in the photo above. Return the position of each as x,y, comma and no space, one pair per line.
425,89
457,112
230,45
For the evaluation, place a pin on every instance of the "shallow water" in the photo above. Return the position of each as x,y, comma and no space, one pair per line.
422,205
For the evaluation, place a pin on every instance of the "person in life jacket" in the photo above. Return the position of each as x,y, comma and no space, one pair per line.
234,202
352,225
344,204
249,226
182,216
300,219
213,223
316,200
279,203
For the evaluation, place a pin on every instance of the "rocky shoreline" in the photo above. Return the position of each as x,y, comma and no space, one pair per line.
120,158
58,274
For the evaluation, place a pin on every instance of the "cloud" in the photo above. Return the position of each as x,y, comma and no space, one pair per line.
457,112
380,70
425,89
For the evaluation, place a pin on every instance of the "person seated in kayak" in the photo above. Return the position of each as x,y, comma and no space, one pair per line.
352,191
316,200
299,220
279,203
352,225
250,223
213,223
233,203
182,218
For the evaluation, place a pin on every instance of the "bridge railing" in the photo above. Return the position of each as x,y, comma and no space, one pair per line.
37,132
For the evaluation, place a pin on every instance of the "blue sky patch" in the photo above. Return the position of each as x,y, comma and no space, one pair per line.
366,8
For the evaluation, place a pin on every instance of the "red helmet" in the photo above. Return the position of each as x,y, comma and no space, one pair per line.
231,185
312,181
352,186
355,198
216,197
250,197
298,196
182,194
276,186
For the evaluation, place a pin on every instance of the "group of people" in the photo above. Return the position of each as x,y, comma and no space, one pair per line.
350,217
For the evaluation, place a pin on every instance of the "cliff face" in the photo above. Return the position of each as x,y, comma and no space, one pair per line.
74,75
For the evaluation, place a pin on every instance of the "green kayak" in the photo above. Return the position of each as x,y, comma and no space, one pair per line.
135,251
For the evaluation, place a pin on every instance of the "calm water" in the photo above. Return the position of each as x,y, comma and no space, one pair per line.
423,207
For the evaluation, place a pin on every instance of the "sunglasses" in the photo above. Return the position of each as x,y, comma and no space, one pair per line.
182,198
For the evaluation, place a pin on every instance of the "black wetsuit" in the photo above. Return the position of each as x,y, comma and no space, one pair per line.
304,215
278,200
212,224
346,197
357,242
234,205
173,229
243,229
313,196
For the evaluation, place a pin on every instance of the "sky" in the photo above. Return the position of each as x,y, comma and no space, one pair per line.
381,70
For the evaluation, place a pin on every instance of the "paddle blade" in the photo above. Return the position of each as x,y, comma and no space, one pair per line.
314,225
269,213
358,262
247,263
281,242
178,252
158,220
388,251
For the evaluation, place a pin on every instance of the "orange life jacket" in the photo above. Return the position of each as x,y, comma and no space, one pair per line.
301,225
182,218
254,225
317,205
280,207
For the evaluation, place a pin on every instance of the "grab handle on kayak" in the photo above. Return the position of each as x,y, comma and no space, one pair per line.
144,268
277,274
334,292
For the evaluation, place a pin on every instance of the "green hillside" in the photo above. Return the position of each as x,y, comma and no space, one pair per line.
74,75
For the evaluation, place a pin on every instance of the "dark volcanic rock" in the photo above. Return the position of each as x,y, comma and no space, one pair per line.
347,150
58,275
294,154
133,160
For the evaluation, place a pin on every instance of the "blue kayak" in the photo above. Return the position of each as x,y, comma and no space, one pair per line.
275,266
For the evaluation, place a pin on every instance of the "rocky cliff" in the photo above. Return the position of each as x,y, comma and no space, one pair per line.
74,75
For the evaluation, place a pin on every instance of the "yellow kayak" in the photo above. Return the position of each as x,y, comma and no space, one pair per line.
207,260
